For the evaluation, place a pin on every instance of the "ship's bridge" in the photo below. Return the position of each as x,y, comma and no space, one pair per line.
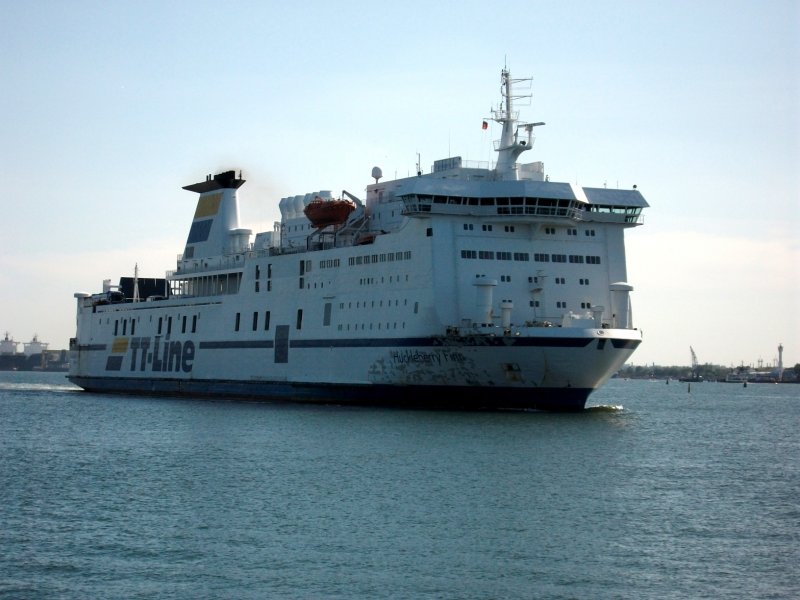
544,199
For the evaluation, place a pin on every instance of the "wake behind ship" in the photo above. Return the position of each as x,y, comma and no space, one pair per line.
472,286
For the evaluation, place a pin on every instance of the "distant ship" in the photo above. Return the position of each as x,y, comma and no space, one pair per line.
472,286
35,356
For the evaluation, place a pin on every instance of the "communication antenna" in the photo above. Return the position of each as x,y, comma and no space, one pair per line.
136,282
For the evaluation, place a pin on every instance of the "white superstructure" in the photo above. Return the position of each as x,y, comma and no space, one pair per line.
467,286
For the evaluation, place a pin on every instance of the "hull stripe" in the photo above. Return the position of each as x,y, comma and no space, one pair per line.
548,342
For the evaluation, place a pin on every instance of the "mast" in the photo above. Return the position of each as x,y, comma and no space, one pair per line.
136,282
510,146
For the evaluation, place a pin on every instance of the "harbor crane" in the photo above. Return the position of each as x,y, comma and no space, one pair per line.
695,375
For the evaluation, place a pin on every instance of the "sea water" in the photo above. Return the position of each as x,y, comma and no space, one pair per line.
657,490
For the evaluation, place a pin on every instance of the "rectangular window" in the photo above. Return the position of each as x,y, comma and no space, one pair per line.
282,344
236,326
299,323
183,324
326,316
559,258
194,323
575,258
266,321
255,321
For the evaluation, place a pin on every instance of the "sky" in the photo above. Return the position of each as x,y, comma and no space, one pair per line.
108,108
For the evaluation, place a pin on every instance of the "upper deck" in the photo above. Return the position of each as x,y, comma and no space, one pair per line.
468,196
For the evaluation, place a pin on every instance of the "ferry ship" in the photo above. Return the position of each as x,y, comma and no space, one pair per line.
473,286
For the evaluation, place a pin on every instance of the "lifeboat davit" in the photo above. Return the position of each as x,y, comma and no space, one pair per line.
322,213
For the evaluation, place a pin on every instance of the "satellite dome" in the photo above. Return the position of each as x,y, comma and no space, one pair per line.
377,173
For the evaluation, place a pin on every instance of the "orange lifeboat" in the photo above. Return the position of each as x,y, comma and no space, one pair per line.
322,213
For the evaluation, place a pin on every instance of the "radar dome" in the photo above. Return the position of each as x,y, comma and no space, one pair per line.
377,173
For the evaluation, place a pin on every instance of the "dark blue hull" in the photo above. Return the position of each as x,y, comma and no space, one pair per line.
566,399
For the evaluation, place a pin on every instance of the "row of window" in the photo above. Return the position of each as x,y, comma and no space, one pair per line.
547,230
256,316
558,280
370,326
492,255
560,304
365,304
330,263
374,280
525,257
208,285
376,258
162,322
563,258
